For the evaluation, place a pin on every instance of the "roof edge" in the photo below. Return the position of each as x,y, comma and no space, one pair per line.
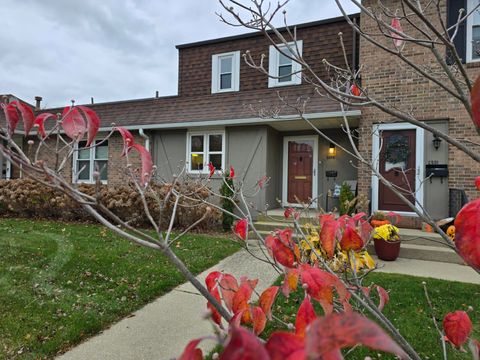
259,33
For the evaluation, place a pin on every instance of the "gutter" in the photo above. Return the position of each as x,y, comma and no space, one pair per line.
244,121
146,137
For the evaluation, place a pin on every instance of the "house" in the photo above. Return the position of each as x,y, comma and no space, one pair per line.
228,113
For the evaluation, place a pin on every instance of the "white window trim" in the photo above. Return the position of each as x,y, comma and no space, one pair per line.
92,164
206,153
235,72
273,64
469,25
419,163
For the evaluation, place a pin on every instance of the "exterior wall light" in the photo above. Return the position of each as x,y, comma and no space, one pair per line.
436,142
332,151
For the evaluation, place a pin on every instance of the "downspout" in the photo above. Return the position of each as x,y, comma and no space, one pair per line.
146,137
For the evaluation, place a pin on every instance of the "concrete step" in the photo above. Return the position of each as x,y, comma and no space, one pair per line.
416,244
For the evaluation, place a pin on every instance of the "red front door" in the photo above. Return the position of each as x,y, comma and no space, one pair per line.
397,165
300,171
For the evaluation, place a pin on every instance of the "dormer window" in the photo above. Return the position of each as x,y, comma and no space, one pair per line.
226,72
281,68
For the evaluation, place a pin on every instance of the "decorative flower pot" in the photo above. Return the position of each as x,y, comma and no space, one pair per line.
387,250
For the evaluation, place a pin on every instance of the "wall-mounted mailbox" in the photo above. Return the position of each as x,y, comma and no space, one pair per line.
331,173
436,170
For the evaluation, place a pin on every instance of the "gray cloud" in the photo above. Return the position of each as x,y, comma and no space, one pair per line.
111,49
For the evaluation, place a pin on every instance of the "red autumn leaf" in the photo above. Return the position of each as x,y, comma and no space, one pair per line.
327,237
73,123
261,182
12,117
320,285
397,39
336,331
477,182
259,319
147,164
393,217
241,298
467,233
212,286
212,280
365,230
282,253
305,315
475,101
285,346
241,229
191,352
93,123
288,212
457,327
128,139
384,297
351,240
211,169
232,172
290,281
266,300
324,218
228,288
243,345
27,115
40,123
355,90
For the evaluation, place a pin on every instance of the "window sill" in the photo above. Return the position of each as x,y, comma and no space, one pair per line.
224,91
283,84
472,64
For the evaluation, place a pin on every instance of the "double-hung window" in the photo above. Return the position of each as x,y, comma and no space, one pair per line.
91,159
226,72
282,69
473,31
204,148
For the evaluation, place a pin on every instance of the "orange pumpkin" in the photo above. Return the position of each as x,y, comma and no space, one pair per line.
451,232
377,223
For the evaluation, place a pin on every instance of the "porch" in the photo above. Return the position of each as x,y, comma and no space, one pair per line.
416,244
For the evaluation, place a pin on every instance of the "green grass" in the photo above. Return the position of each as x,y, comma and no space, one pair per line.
61,283
408,311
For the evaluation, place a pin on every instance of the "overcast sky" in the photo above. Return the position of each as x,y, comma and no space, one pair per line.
110,49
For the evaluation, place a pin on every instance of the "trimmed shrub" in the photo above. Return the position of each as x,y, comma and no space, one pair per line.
29,199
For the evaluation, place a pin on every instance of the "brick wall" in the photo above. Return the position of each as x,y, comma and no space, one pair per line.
117,169
319,42
389,80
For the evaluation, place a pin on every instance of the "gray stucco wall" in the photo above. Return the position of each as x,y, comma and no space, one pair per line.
256,151
436,195
246,149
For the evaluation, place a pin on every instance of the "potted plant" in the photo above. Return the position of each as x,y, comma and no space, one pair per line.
386,240
379,218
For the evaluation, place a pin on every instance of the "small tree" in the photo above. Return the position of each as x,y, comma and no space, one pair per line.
346,199
228,202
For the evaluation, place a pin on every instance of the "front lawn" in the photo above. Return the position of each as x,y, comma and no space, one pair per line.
61,283
408,310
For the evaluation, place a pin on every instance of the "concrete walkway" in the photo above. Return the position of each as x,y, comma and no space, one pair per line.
161,329
433,269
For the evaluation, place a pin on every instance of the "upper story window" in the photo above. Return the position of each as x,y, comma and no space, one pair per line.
281,68
473,32
204,148
226,72
88,160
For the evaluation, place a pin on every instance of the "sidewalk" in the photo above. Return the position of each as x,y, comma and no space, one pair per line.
161,329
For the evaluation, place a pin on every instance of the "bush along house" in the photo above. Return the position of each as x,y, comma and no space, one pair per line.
228,113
